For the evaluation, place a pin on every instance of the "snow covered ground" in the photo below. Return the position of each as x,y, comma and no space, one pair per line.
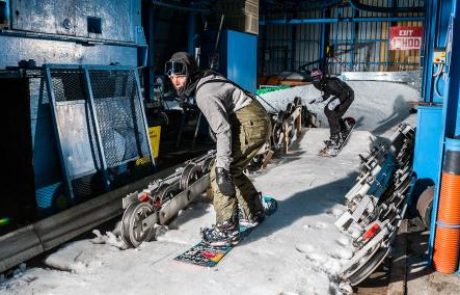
296,251
377,107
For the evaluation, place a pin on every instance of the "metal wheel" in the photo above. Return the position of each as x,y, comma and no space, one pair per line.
207,165
367,269
355,268
190,174
166,192
133,232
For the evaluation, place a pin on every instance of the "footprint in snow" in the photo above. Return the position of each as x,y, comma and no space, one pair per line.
305,248
315,257
321,225
343,241
334,212
341,254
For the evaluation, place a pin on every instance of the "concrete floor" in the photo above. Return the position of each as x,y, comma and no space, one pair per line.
422,279
407,271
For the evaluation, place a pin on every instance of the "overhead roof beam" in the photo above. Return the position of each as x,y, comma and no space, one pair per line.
178,7
338,20
359,6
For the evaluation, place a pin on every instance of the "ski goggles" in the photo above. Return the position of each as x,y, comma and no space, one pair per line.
175,68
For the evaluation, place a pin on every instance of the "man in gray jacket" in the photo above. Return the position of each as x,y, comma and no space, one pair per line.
242,127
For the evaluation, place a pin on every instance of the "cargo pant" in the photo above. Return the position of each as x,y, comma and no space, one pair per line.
334,117
250,131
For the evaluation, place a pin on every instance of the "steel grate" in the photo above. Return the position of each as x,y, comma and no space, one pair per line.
119,115
75,125
101,125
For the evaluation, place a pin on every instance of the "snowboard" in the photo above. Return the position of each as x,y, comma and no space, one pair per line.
332,152
203,254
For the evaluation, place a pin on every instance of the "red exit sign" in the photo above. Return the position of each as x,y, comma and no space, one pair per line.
405,38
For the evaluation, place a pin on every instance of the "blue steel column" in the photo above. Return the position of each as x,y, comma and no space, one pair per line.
451,117
144,117
451,107
293,45
430,38
353,40
191,33
262,42
151,56
325,31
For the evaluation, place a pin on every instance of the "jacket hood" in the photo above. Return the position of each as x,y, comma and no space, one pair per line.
193,73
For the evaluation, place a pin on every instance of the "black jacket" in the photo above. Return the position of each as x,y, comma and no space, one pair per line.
334,87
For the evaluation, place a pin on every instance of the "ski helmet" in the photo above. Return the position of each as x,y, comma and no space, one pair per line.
316,74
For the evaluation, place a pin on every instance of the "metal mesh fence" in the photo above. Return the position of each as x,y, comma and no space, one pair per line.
120,122
68,85
78,141
119,115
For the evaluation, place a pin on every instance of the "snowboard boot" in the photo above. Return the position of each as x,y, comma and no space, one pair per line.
222,234
334,141
345,129
251,220
254,219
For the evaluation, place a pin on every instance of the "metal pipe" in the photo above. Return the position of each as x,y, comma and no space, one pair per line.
97,129
180,201
143,119
54,37
338,20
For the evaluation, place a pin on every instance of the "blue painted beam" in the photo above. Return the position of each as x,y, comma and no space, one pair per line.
191,33
300,21
452,123
325,32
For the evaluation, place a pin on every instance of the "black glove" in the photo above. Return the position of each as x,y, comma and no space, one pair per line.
224,182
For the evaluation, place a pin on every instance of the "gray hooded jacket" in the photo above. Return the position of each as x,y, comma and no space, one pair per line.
217,101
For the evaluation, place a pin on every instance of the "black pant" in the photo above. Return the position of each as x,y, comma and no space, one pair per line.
335,117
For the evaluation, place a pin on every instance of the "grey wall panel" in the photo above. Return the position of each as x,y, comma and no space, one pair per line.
34,15
13,49
118,18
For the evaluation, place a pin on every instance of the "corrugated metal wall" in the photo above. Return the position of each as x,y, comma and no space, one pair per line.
358,46
280,53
